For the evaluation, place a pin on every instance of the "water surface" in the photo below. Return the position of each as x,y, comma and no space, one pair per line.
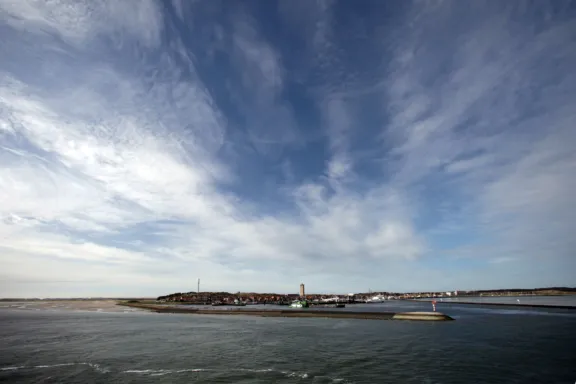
482,346
567,300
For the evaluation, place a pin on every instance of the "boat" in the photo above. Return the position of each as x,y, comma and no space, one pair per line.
377,299
238,303
299,304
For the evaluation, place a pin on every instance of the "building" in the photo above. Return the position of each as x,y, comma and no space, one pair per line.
302,292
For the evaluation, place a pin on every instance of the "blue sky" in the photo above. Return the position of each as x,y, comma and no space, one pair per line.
399,145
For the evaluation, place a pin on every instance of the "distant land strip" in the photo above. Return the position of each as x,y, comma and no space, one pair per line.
415,316
515,305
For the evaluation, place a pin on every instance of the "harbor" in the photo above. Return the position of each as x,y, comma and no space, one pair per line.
199,297
301,304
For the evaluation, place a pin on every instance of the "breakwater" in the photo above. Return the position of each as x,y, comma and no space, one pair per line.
421,316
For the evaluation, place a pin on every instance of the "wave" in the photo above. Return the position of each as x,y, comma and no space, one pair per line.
96,367
162,372
54,365
157,372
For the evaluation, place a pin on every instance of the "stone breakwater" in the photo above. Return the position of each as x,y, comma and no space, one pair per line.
416,316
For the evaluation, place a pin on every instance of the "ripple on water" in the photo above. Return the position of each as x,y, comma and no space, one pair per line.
144,347
94,366
221,373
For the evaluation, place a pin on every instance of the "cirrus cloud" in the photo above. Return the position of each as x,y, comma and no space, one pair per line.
136,156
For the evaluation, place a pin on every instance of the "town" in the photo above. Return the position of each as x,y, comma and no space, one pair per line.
248,298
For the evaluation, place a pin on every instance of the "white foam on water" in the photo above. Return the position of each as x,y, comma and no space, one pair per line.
296,374
328,379
162,372
55,365
96,367
158,372
254,370
140,371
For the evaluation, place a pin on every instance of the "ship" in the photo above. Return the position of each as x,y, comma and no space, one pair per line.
376,299
299,304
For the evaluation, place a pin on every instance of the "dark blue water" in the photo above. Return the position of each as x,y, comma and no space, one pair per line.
482,346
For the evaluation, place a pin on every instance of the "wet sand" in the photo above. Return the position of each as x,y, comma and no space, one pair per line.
104,305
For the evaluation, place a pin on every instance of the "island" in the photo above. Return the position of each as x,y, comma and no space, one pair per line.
414,316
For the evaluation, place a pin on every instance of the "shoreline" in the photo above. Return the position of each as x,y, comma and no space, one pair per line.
415,316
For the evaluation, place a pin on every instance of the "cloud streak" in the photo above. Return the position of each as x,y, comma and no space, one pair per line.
342,151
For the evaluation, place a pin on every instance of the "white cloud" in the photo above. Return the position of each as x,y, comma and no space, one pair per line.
78,22
79,163
112,173
467,165
493,129
338,125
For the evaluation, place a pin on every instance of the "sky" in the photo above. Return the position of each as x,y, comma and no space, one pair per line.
352,146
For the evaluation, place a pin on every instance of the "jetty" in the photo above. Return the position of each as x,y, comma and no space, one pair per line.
308,313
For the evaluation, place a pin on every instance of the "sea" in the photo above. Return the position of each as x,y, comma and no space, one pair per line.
484,345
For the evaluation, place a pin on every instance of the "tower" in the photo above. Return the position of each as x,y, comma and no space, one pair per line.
302,292
198,286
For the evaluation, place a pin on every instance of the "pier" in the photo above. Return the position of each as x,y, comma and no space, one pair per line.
308,313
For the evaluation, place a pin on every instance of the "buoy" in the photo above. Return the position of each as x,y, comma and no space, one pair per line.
434,305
